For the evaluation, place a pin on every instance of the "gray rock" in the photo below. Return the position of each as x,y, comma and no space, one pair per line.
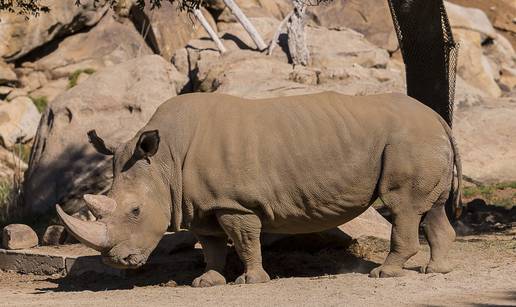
19,236
116,101
18,121
54,235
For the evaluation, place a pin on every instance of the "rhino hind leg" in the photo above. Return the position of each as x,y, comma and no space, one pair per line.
440,236
244,230
214,250
404,245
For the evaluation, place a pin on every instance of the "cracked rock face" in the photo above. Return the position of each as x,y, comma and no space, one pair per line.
117,102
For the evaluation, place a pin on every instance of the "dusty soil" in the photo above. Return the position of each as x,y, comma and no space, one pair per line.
484,275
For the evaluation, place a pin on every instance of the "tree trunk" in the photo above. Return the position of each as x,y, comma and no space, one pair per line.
297,36
206,25
248,26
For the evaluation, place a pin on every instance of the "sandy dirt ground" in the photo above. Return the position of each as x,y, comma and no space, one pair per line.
485,274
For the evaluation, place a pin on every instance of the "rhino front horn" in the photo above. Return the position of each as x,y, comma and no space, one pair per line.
100,205
92,234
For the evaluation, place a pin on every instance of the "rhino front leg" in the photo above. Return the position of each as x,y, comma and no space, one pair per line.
214,250
244,230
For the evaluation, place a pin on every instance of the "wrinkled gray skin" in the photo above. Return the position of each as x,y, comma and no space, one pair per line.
226,167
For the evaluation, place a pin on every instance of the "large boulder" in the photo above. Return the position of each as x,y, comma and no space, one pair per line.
109,43
369,17
20,36
116,101
485,133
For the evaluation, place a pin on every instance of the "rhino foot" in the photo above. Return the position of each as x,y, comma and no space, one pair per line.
253,277
436,267
386,271
209,279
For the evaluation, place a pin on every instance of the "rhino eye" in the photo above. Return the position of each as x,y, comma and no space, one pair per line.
136,211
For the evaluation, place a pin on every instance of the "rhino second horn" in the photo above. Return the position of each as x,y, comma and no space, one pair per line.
92,234
100,205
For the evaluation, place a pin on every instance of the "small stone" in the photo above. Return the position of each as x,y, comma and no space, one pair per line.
54,235
19,236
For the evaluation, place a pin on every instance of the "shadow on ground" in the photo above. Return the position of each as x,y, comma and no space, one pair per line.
279,263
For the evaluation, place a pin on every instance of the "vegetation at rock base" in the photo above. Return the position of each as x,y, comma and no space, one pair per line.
499,194
40,103
74,77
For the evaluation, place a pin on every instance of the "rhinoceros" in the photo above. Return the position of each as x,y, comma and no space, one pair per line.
232,168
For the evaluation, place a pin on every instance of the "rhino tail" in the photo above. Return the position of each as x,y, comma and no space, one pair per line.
454,202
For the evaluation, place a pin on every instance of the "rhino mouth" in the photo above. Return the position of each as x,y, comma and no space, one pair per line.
130,261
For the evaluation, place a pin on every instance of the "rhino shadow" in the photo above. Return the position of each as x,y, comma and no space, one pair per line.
182,267
62,178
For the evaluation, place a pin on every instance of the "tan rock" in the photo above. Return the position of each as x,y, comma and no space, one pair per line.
19,36
473,66
7,75
108,43
52,89
368,224
372,18
18,121
19,236
471,19
485,134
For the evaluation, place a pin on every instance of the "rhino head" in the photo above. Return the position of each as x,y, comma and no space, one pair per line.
135,213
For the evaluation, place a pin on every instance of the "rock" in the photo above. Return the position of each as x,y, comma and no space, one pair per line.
473,66
508,79
18,121
19,36
372,18
485,134
11,166
7,75
251,8
368,224
15,93
130,93
19,236
170,29
109,43
342,60
469,19
54,235
52,89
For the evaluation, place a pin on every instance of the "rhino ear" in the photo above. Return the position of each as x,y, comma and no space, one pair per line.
147,145
99,144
